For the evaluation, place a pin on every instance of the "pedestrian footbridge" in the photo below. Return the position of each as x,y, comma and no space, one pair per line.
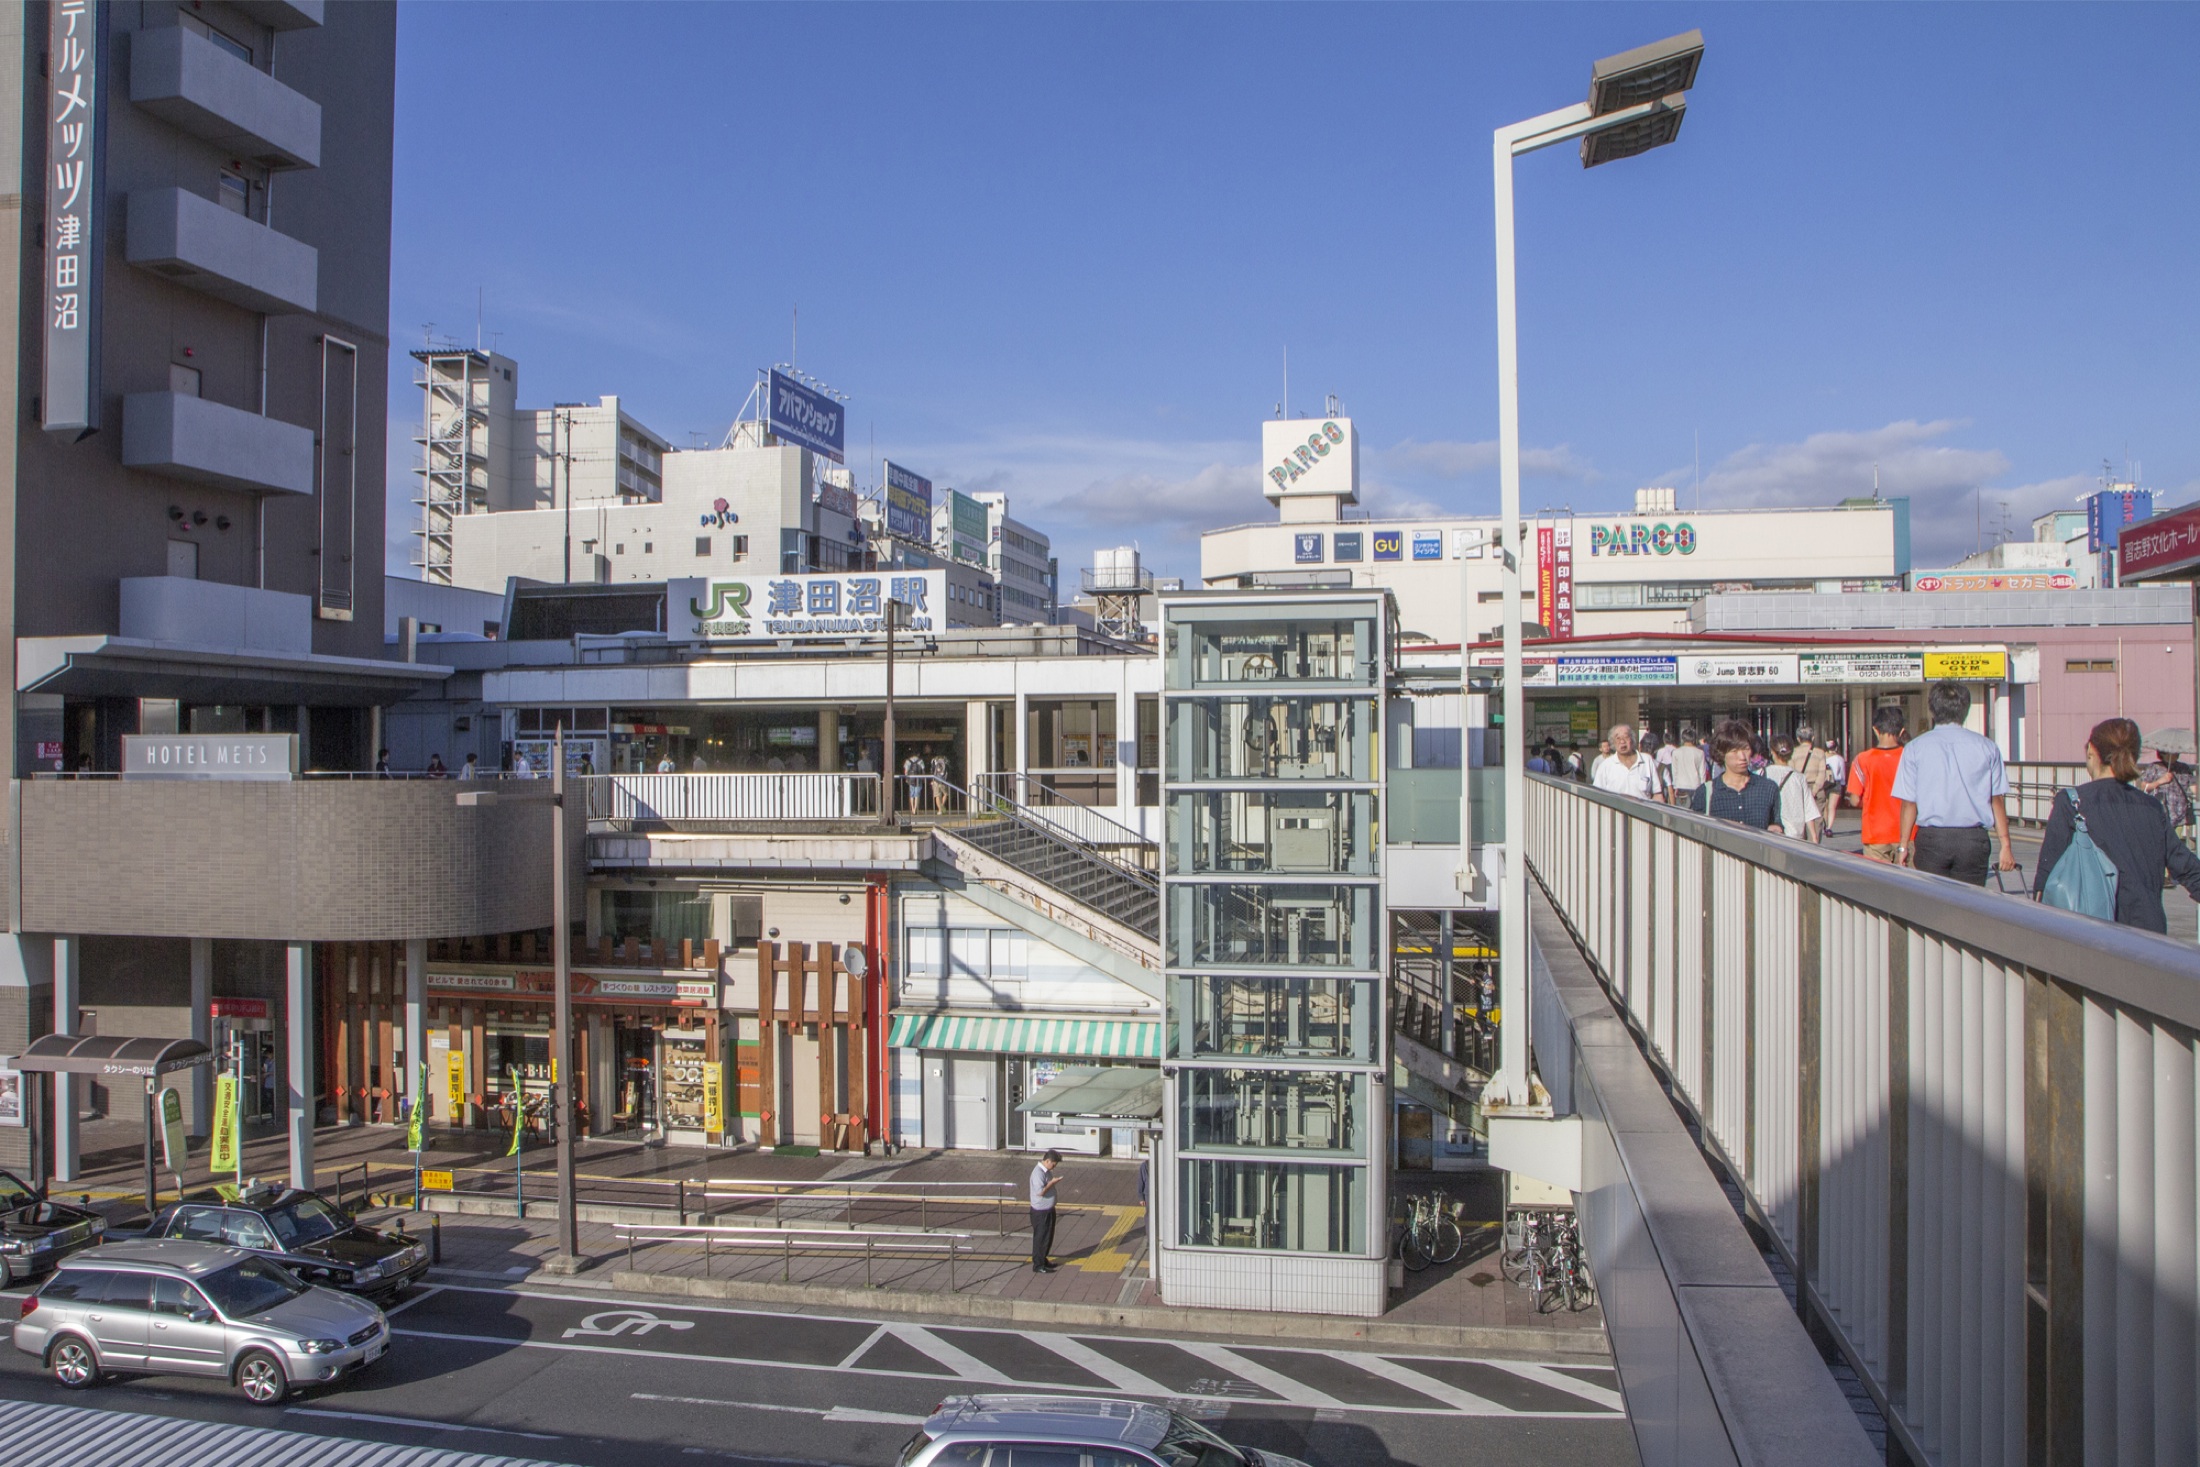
1960,1128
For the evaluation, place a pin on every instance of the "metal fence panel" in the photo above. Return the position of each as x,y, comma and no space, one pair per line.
1971,1124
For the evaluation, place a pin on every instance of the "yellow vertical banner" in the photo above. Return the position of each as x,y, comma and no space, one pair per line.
714,1096
224,1158
458,1086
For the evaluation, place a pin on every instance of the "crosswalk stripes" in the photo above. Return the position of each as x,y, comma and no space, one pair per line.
1428,1385
1192,1374
1116,1374
963,1363
1559,1380
1283,1386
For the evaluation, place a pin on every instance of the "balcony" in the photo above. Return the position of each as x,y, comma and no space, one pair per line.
197,242
188,81
282,15
191,438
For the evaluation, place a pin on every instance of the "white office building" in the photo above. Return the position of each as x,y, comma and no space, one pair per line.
1583,574
1022,561
482,454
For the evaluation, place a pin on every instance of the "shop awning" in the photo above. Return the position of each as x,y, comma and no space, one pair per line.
1088,1093
1109,1038
111,1054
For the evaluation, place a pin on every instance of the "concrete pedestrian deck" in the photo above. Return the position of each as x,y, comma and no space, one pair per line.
1100,1238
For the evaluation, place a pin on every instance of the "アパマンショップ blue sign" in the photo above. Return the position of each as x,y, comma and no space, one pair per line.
799,415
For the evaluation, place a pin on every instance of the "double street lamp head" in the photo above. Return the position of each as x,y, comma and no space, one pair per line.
1654,74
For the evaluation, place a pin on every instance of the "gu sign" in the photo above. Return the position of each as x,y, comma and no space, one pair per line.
768,608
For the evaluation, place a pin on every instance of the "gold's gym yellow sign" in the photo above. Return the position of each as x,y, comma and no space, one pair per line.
1969,667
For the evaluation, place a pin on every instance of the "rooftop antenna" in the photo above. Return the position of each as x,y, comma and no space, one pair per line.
479,293
1875,478
794,341
1698,434
1287,378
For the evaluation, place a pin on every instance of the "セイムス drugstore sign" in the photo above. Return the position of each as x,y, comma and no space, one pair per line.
1643,539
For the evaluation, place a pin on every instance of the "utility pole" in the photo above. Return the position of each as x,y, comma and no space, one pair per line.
568,417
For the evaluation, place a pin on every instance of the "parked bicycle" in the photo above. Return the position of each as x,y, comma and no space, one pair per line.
1430,1233
1566,1282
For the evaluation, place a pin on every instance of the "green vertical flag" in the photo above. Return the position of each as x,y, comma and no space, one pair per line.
415,1132
519,1112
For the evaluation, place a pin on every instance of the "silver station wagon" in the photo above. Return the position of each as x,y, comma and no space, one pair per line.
1071,1431
166,1307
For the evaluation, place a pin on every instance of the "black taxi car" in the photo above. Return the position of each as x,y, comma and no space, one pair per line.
36,1232
305,1232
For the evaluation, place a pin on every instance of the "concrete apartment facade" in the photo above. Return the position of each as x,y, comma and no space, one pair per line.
191,529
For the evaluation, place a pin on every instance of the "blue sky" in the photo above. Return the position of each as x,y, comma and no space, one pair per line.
1061,250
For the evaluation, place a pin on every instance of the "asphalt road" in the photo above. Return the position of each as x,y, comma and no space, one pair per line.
588,1378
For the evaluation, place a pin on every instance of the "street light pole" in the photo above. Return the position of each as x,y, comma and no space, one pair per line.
1634,105
888,817
562,1077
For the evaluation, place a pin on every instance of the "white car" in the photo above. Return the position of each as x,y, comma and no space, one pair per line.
1071,1431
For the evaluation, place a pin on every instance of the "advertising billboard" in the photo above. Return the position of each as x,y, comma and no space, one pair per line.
1390,544
908,504
768,608
1728,670
1546,575
1562,581
2107,512
1310,456
801,415
1349,545
2165,544
1306,548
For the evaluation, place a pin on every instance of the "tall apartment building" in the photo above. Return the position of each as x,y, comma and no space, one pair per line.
192,465
481,453
1022,561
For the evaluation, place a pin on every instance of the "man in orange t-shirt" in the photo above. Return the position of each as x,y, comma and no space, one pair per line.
1871,786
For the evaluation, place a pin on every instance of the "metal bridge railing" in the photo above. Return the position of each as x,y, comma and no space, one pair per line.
1969,1122
2032,789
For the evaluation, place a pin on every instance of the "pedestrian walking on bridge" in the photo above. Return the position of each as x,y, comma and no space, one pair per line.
2130,827
1953,785
1737,794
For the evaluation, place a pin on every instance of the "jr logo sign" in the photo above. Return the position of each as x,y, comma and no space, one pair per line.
729,600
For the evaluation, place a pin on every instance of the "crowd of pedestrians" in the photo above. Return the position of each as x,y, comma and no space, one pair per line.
1937,802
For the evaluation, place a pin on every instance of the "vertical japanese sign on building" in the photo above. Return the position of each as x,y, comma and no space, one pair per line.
75,143
1546,578
1562,581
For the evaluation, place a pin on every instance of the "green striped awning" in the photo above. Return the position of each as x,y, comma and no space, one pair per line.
1114,1038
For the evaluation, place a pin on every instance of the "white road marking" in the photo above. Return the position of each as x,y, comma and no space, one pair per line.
845,1415
1121,1377
418,1296
1603,1396
963,1363
1296,1392
417,1422
856,1354
1465,1402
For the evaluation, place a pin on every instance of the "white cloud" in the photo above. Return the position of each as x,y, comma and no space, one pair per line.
1450,459
1954,502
